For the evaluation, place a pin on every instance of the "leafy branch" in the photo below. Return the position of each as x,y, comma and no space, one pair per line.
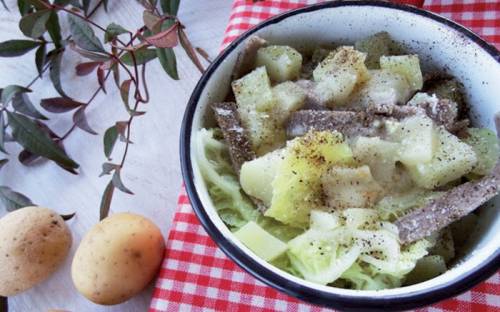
120,52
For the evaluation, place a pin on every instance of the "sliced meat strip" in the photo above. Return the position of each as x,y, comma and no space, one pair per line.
240,148
442,112
395,111
346,122
445,112
236,137
246,58
453,205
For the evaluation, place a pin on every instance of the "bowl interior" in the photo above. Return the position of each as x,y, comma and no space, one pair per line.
440,47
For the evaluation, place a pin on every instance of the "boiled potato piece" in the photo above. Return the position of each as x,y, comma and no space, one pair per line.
418,140
117,258
282,62
384,87
289,98
342,58
350,187
261,242
257,176
375,46
380,155
485,144
335,88
266,131
451,160
405,65
256,101
297,188
34,243
253,91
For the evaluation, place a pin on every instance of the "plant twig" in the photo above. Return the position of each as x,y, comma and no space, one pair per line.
96,92
39,76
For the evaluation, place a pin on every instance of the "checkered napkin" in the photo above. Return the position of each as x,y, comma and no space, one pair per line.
197,276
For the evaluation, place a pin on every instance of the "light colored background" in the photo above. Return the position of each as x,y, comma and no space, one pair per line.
152,170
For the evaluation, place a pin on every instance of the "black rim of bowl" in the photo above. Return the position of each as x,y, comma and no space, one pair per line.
391,302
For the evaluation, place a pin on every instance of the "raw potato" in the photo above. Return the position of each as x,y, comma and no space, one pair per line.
117,258
34,243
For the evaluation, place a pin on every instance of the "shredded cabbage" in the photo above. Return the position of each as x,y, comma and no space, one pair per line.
356,248
233,206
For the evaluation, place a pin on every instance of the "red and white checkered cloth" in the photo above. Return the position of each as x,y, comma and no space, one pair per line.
197,276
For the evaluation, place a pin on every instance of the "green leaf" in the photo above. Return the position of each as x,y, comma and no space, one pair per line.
124,92
13,200
110,137
37,4
3,162
55,73
67,217
60,104
29,135
83,35
22,104
107,168
151,21
170,6
34,24
40,58
2,134
24,8
54,29
107,196
112,31
62,2
9,91
95,56
12,48
117,182
168,62
86,6
142,56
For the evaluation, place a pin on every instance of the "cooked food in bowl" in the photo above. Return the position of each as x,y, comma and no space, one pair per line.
345,166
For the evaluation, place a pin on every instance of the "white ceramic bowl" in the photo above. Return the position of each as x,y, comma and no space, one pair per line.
442,45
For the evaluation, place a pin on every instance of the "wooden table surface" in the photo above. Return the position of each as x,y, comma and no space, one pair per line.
152,170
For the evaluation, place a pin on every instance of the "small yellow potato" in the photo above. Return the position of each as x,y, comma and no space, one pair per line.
34,241
117,258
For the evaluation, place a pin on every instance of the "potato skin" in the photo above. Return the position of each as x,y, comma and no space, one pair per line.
34,241
117,258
